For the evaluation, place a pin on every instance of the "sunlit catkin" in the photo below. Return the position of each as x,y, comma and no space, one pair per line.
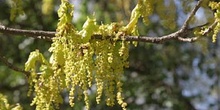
80,59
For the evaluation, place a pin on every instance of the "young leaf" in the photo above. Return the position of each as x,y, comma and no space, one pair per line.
89,28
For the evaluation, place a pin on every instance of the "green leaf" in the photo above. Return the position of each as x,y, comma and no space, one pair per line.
34,57
89,28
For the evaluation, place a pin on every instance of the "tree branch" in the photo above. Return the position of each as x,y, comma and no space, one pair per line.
47,35
210,28
192,13
12,66
179,35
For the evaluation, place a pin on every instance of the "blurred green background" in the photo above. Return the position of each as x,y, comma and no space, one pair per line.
168,76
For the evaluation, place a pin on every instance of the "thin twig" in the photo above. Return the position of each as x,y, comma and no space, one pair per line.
210,28
192,13
12,66
192,39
